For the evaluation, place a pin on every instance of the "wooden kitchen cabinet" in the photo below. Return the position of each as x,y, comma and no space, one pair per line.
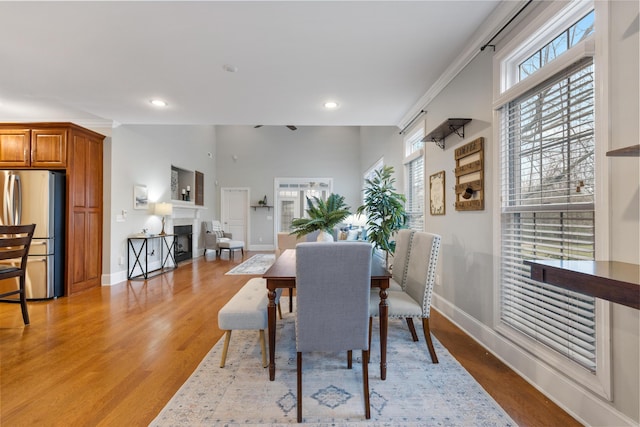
84,236
79,152
42,148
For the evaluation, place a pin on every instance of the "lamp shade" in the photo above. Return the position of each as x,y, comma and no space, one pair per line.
163,209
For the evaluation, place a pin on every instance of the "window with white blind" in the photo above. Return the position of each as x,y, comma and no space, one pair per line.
414,173
547,186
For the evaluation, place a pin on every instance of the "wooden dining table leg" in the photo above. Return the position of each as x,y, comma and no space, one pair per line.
271,315
384,321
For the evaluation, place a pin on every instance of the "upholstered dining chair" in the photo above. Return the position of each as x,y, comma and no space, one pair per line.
401,259
332,291
415,299
15,241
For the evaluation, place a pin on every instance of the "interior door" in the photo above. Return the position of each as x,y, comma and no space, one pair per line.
235,211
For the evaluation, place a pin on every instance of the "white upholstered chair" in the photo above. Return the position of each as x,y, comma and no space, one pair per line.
216,239
332,290
415,299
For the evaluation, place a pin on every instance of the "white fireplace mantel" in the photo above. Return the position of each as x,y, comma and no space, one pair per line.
187,213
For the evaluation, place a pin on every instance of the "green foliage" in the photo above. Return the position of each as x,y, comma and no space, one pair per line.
384,208
323,215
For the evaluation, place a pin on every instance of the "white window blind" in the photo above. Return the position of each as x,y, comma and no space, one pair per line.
414,164
547,188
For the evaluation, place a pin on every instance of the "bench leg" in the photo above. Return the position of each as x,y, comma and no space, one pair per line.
263,347
227,338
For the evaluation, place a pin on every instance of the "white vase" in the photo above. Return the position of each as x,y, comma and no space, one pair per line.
324,236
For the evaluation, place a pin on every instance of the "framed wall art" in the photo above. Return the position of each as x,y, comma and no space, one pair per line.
436,193
140,197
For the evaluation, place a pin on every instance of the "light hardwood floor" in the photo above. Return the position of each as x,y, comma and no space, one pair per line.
114,356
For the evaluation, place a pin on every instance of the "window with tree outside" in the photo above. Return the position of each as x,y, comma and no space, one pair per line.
547,185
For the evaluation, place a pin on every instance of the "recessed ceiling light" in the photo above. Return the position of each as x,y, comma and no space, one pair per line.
158,102
330,105
230,68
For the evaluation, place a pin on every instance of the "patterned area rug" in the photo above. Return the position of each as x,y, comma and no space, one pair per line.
257,264
415,393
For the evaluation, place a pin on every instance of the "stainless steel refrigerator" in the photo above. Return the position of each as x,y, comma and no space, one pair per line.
38,197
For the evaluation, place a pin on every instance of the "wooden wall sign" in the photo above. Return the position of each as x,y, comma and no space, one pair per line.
470,176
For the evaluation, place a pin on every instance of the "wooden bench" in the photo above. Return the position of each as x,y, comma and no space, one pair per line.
247,309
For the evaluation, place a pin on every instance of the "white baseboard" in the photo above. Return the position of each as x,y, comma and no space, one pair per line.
113,278
570,396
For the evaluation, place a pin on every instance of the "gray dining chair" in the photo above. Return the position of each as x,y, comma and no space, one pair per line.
332,291
415,299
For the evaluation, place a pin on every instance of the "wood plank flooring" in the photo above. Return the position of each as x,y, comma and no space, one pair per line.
114,356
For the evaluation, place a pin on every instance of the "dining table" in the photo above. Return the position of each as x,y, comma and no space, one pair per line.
282,274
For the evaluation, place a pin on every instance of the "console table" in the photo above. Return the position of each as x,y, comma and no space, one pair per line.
167,243
613,281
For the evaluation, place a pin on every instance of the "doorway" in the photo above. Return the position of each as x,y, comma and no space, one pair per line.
234,211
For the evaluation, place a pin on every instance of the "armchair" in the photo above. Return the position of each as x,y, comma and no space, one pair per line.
213,234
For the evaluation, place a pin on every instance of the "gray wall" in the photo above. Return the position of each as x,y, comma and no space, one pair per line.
249,157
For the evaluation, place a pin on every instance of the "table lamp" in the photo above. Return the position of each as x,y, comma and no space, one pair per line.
163,209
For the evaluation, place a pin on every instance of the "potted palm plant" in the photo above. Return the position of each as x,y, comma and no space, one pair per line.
323,216
384,209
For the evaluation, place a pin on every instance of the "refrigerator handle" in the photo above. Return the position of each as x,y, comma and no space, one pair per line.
17,200
6,203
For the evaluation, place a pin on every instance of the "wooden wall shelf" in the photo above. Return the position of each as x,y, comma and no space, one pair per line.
448,127
630,151
261,206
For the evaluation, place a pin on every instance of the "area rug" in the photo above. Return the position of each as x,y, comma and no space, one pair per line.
415,393
257,264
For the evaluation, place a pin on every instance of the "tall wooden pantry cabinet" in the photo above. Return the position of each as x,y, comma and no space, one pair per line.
78,151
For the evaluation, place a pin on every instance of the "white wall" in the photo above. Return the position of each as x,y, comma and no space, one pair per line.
144,155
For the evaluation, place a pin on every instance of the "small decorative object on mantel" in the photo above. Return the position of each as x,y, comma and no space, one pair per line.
470,176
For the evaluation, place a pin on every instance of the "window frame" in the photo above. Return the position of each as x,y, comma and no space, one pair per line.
556,17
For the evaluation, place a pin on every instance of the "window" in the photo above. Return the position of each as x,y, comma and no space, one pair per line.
563,42
291,198
547,186
414,172
548,209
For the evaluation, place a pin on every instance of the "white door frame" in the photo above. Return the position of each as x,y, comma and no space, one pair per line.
223,203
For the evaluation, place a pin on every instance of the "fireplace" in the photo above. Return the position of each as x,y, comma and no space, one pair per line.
183,248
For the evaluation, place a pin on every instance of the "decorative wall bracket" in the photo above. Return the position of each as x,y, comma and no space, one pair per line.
448,127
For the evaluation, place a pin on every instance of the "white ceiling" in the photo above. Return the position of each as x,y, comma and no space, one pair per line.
101,62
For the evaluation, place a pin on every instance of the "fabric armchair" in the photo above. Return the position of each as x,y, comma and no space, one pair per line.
213,234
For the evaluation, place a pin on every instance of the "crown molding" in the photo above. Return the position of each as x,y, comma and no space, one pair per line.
501,15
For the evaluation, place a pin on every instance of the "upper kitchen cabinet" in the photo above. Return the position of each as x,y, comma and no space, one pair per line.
42,147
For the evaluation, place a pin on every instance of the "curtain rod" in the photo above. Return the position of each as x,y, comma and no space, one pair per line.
503,27
421,112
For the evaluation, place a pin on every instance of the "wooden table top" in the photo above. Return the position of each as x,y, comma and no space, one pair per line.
285,268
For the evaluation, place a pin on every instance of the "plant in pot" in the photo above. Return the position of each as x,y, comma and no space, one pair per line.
323,216
384,209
